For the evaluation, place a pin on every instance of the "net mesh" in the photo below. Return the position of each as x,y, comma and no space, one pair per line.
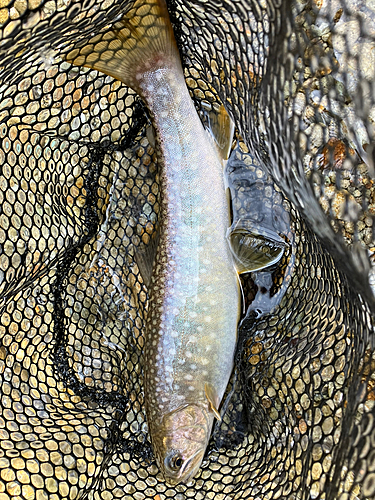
80,192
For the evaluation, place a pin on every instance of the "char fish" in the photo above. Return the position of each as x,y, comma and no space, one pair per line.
194,298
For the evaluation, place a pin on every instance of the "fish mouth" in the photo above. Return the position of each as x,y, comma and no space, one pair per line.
188,470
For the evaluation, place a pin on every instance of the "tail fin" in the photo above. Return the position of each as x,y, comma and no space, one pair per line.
142,41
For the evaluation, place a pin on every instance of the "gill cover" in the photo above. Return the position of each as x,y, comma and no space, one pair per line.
180,451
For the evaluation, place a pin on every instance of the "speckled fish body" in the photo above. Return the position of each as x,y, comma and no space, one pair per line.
192,319
193,307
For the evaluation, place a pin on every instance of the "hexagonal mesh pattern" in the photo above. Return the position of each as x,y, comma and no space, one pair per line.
80,192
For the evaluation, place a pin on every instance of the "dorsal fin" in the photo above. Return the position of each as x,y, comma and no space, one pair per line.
145,258
151,136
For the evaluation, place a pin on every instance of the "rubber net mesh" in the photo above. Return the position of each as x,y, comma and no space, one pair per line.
79,193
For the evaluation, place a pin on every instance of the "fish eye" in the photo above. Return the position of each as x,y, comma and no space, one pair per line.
174,462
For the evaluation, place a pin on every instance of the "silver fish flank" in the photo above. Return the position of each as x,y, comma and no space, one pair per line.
194,297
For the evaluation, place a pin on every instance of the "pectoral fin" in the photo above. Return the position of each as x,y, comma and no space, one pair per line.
221,127
213,400
145,258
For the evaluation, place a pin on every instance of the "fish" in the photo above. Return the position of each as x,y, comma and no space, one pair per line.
188,268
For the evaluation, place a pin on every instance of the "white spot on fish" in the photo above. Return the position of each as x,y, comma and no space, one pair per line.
189,354
207,319
188,377
191,388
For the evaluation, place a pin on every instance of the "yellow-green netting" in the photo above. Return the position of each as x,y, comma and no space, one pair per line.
79,193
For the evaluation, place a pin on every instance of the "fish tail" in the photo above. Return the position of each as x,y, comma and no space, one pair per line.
142,41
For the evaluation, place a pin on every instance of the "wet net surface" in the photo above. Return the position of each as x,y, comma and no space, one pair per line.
79,193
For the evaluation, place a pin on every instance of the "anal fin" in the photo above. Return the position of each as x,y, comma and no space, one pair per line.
221,127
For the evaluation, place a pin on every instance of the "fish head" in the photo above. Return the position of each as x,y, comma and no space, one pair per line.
182,442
